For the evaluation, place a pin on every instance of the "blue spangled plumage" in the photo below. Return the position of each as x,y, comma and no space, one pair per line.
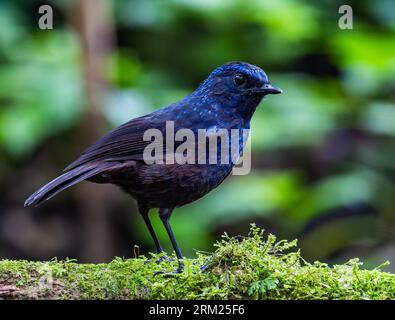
227,99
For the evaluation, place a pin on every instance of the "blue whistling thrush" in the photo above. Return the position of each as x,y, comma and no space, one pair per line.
227,99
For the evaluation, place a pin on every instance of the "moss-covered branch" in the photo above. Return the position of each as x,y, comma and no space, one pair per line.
248,268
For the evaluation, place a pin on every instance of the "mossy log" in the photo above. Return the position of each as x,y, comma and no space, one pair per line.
253,267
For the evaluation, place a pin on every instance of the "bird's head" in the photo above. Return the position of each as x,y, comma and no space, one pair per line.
239,85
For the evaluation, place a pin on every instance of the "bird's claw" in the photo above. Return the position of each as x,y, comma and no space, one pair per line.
164,257
203,268
205,265
168,274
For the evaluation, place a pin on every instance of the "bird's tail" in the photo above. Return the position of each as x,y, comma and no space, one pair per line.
65,181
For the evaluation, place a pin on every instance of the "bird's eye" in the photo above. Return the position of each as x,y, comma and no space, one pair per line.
240,79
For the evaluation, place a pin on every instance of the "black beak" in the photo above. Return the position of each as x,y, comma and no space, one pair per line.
269,89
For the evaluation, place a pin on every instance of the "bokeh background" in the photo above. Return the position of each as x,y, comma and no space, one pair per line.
323,152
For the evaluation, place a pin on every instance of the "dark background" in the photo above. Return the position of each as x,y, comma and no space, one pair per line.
323,152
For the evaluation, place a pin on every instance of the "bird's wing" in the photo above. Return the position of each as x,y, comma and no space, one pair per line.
123,143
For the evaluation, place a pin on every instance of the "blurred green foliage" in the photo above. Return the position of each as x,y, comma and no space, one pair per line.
37,69
323,151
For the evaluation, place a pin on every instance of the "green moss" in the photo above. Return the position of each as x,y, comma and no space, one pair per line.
246,268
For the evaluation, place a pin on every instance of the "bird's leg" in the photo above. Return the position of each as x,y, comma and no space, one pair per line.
165,217
144,213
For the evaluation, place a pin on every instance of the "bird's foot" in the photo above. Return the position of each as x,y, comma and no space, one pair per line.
165,257
205,265
168,274
162,258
